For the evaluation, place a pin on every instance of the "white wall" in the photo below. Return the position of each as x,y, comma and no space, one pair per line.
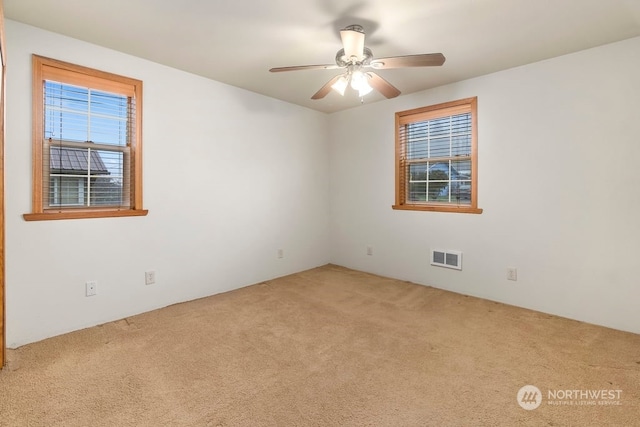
558,182
229,178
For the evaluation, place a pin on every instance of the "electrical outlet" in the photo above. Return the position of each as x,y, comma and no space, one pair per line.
280,253
91,288
149,277
369,250
512,273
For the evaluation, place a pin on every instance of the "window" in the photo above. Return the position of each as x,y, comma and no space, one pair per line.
87,146
436,158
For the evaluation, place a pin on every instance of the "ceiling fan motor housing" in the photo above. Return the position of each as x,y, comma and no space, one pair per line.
343,61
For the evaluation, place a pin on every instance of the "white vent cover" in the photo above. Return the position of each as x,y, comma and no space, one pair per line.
446,258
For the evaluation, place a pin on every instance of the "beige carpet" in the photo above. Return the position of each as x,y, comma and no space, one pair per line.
326,347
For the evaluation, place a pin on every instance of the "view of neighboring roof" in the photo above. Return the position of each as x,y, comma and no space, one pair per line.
75,160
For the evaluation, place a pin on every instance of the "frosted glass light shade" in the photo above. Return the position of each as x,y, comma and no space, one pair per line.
340,85
359,82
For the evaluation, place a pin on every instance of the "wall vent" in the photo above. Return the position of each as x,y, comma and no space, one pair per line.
446,258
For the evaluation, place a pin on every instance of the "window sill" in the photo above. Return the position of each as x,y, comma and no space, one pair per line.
439,208
83,214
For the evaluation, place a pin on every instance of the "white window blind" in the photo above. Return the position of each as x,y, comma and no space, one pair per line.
86,146
437,153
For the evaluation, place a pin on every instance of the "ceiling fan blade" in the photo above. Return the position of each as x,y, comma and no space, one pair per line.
353,41
305,67
324,90
382,86
424,60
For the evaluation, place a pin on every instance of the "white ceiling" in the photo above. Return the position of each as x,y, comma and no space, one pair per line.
236,42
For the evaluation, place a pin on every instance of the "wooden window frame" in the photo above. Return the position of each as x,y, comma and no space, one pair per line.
64,72
403,118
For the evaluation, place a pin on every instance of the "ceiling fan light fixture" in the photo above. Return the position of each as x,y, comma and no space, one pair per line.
359,82
364,90
341,84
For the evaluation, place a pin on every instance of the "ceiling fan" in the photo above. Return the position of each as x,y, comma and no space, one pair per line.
355,58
